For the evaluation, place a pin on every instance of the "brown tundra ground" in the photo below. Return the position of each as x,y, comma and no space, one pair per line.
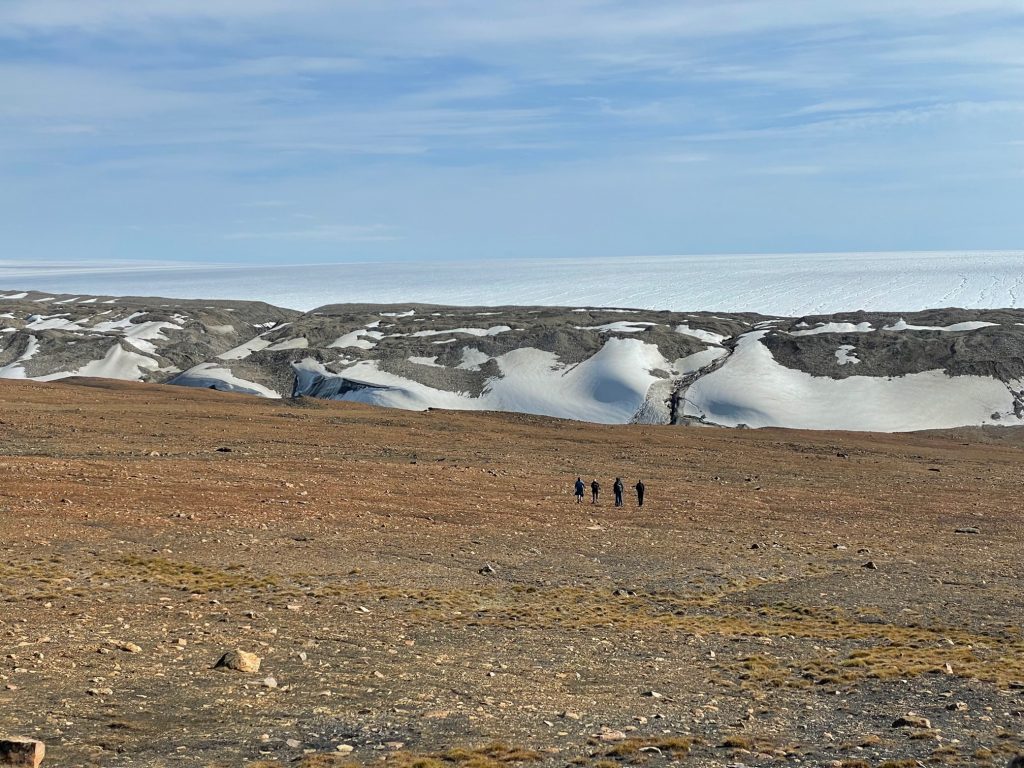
145,530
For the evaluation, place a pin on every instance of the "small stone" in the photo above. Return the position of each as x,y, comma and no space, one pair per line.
240,661
958,706
570,715
270,682
23,753
293,743
129,648
608,734
968,530
652,694
100,691
345,749
870,565
488,570
912,721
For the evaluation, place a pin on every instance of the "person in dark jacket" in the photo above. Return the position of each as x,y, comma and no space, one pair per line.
595,488
618,488
639,493
579,490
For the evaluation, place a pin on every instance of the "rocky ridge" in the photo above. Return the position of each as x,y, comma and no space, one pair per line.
875,371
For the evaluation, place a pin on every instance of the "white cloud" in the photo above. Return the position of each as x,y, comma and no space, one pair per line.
335,233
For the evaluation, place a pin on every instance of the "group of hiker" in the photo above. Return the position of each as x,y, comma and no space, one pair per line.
617,489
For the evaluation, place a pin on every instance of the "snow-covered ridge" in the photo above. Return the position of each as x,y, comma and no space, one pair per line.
876,371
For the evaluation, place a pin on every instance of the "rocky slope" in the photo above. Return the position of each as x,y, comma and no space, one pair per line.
862,371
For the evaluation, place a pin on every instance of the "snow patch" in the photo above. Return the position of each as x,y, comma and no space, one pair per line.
16,369
211,375
622,326
118,363
699,333
299,343
356,339
609,387
242,351
845,355
752,388
835,328
973,325
698,360
494,331
472,359
430,361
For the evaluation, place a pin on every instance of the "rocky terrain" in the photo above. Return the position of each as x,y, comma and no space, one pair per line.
860,371
422,591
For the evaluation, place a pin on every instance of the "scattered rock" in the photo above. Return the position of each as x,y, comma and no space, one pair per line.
969,530
652,694
958,706
345,749
870,565
24,753
608,734
912,721
293,743
100,691
240,661
224,449
129,647
488,570
270,682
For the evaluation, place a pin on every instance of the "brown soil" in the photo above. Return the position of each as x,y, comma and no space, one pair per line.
344,545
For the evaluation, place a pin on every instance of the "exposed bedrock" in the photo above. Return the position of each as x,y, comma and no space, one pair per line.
858,370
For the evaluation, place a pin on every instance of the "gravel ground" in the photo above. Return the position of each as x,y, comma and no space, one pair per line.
424,592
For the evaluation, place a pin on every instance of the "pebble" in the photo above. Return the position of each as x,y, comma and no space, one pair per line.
912,721
23,753
241,661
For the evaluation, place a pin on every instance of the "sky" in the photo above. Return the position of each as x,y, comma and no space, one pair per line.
307,131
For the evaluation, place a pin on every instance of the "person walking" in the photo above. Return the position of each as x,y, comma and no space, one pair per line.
595,488
639,493
618,488
579,490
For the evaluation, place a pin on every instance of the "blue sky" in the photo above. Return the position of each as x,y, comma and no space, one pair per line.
297,131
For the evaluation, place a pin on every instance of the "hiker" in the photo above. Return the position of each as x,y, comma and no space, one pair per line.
579,490
618,488
639,493
595,488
